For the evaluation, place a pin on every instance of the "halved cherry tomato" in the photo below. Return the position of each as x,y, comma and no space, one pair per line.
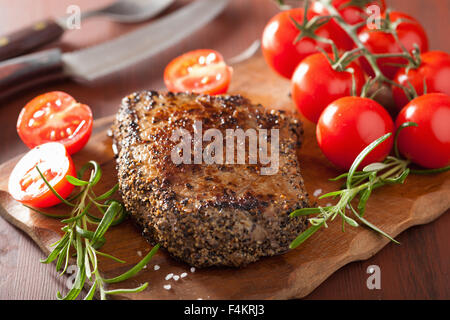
348,125
428,144
200,71
278,44
55,117
315,84
434,72
410,32
26,185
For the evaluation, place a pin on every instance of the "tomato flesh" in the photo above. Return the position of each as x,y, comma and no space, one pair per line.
26,185
315,84
200,71
348,125
55,117
427,145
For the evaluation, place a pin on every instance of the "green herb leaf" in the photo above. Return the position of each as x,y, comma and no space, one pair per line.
54,254
373,227
76,182
138,267
304,212
362,156
363,200
397,133
135,290
108,193
376,166
95,175
77,287
53,190
431,171
397,180
304,236
350,221
109,256
331,194
91,292
49,215
107,219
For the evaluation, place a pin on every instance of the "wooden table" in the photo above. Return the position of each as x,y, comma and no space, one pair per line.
418,269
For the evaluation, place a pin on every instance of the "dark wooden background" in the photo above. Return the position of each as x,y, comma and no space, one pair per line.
418,269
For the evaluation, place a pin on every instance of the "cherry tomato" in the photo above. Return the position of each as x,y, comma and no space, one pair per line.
377,42
55,117
428,144
434,71
351,13
315,84
348,125
281,51
26,185
200,71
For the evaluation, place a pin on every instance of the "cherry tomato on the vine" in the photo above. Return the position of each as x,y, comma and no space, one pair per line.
281,51
433,73
348,125
409,32
26,185
200,71
315,84
55,117
352,13
428,144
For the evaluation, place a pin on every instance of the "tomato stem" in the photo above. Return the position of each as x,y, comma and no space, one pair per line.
308,28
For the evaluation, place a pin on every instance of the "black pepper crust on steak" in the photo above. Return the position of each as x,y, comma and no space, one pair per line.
207,215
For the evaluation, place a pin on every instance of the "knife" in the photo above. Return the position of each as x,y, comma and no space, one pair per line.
46,31
92,63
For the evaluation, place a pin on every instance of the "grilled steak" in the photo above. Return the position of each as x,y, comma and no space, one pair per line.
207,214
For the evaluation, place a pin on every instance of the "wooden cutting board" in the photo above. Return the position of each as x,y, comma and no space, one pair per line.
292,275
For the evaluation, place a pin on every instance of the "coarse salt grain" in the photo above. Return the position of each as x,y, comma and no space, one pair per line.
139,253
317,192
184,274
176,278
156,267
167,286
169,276
192,269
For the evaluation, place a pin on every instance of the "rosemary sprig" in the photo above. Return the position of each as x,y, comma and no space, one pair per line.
86,243
394,170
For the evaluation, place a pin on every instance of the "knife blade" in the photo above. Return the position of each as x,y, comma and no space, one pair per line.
142,43
89,64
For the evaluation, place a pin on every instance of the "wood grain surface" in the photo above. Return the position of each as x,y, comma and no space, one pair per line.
418,269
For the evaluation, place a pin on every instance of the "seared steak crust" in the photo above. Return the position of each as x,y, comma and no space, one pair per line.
207,215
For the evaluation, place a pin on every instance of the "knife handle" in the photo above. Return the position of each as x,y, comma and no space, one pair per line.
27,39
29,70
